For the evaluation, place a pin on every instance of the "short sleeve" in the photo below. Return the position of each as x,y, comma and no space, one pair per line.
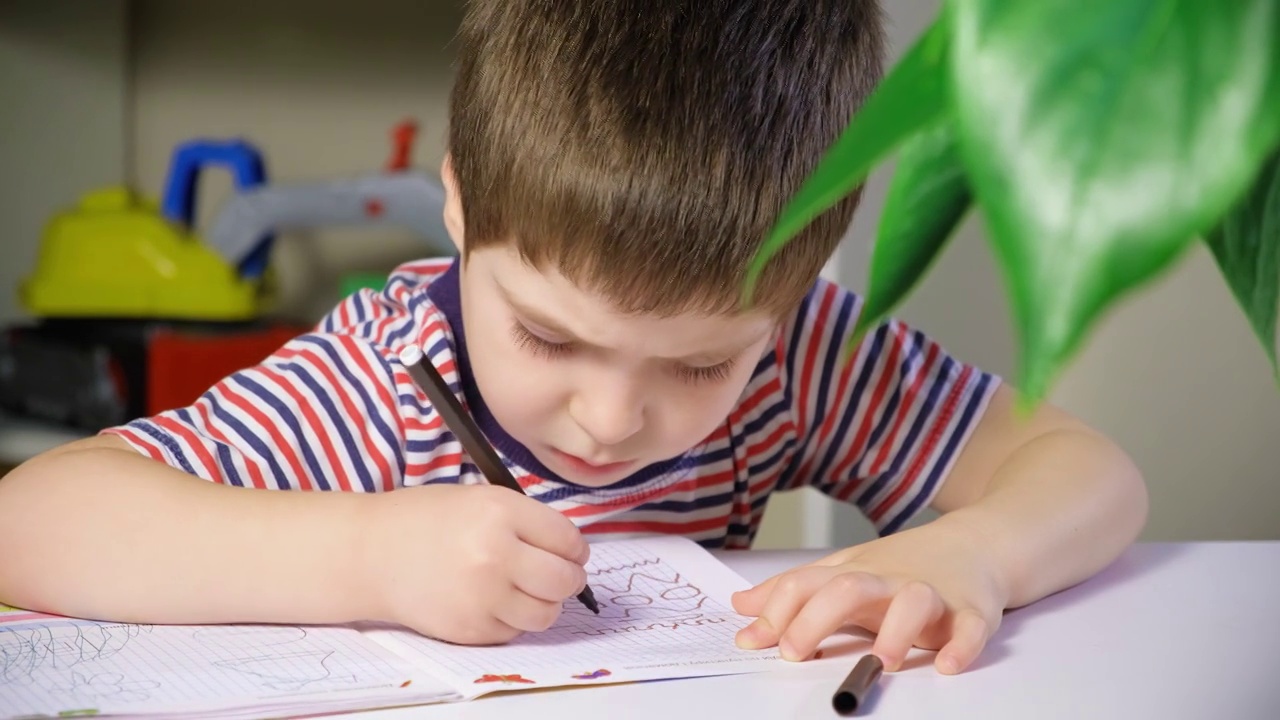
881,424
318,414
327,411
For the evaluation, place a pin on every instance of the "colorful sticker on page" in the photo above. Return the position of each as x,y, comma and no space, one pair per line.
504,679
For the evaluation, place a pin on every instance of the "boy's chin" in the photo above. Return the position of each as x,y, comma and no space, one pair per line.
579,472
593,482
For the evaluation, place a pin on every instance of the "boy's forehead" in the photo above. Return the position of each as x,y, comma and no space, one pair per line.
523,282
545,296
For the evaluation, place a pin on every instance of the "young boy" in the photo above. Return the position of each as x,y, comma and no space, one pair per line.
613,166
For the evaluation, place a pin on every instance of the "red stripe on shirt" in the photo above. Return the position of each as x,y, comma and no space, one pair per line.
303,405
279,445
811,351
904,410
211,468
875,405
925,450
141,441
255,475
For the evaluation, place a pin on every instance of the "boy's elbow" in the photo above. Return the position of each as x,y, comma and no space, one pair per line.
1128,496
38,500
1141,501
29,492
96,442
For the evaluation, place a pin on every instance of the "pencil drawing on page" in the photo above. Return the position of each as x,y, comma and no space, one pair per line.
69,663
27,651
72,659
279,657
660,608
640,596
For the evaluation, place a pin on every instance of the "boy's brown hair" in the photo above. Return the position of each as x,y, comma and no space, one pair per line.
645,147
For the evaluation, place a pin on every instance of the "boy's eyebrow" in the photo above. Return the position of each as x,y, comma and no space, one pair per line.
551,325
536,315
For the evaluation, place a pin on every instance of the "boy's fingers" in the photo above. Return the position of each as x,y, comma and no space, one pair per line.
525,612
751,602
488,632
790,593
969,633
913,608
544,527
544,575
830,608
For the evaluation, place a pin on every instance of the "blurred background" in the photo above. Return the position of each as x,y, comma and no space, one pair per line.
116,113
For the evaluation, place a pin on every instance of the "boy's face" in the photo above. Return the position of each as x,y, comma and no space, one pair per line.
593,394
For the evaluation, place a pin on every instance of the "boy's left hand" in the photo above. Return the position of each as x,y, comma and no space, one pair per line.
932,587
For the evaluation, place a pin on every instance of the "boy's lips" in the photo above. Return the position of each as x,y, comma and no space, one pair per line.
585,466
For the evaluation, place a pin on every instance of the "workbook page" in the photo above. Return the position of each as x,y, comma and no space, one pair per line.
51,666
664,613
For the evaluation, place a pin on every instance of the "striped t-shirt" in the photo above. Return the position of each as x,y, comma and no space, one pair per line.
335,410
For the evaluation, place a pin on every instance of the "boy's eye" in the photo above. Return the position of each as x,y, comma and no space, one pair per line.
710,373
541,347
534,344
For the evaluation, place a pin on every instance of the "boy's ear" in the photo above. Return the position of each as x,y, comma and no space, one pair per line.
452,203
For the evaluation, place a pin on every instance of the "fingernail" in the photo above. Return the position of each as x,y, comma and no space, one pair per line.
788,651
755,635
948,665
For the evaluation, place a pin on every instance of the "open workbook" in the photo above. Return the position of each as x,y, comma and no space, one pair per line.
664,613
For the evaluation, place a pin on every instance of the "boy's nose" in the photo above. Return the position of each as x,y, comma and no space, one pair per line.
609,418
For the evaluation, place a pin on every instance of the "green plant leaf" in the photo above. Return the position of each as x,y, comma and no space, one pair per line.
1246,245
927,197
911,96
1101,138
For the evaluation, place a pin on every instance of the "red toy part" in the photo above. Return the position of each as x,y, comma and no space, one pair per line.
182,366
402,137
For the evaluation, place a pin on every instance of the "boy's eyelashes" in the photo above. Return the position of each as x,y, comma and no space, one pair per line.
708,373
541,347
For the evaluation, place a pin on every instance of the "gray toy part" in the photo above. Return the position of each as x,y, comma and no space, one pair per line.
405,199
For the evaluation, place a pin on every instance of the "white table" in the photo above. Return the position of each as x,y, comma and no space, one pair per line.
1168,631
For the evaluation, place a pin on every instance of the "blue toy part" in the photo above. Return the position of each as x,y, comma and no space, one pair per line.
248,170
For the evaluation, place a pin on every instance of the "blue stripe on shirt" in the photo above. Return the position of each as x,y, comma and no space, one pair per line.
291,423
949,450
249,438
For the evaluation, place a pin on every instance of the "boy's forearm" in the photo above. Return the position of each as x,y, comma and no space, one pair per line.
1058,510
109,534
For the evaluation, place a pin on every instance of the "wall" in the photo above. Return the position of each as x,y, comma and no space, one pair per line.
63,96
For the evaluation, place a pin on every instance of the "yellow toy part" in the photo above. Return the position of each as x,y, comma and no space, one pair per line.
115,255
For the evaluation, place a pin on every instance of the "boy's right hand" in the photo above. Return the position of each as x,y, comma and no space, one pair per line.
472,564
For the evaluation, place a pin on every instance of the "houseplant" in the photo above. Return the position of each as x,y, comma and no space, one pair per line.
1099,139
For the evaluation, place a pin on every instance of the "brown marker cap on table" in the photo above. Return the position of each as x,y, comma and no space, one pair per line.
857,685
